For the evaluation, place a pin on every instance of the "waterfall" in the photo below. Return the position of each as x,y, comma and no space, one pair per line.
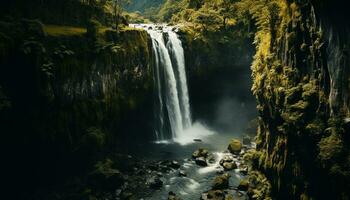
172,110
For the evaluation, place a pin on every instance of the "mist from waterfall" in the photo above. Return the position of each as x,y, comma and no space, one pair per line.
172,110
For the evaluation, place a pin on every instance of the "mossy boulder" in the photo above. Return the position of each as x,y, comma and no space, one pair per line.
221,182
243,185
216,194
235,146
229,166
201,152
228,163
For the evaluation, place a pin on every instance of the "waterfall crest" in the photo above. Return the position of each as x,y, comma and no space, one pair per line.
172,111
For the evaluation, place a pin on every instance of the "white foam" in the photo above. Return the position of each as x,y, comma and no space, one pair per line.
196,131
163,142
193,184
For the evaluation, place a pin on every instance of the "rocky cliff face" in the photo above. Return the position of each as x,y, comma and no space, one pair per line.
67,95
301,82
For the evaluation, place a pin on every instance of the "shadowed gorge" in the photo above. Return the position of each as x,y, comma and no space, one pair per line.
175,99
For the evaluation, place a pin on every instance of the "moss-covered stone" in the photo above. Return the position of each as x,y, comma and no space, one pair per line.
221,182
235,146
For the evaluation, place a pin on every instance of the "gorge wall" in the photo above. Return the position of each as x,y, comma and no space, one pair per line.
68,95
301,82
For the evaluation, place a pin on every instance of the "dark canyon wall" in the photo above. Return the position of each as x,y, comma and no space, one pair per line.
67,95
301,82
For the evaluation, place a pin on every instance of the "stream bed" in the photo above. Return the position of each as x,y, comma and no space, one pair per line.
189,180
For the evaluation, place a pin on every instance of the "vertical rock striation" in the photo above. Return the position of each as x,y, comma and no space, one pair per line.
301,82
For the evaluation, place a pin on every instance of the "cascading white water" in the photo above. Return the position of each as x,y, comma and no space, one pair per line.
175,48
173,107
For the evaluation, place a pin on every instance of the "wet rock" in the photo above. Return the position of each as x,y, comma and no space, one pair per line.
201,152
228,163
201,161
243,170
155,182
247,140
229,166
235,146
221,182
213,195
182,173
174,164
226,159
243,185
172,196
229,197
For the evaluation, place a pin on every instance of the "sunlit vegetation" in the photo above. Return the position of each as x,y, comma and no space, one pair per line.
55,30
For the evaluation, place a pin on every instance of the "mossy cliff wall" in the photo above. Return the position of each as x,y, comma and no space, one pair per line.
68,95
301,82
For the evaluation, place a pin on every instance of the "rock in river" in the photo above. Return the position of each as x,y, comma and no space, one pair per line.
229,166
155,182
174,164
221,182
172,196
182,173
243,185
235,146
201,161
200,153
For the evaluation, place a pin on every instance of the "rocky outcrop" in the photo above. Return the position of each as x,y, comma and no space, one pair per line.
301,77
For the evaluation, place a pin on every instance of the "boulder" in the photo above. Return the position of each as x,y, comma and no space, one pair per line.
229,166
213,195
221,182
174,164
243,169
229,197
235,146
172,196
216,194
182,173
226,159
228,163
200,153
155,182
243,185
201,161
